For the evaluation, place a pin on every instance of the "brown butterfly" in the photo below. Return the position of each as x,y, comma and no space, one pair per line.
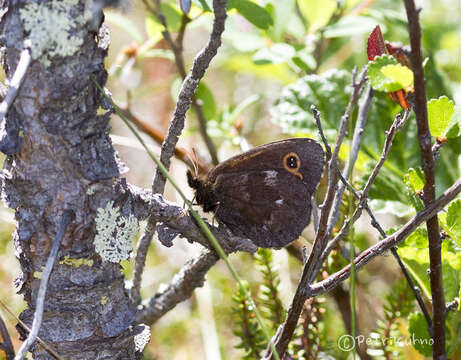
264,194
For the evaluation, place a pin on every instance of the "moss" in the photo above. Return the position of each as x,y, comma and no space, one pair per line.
76,262
53,29
114,233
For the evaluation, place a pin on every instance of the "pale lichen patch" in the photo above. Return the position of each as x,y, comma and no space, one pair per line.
53,29
142,339
114,233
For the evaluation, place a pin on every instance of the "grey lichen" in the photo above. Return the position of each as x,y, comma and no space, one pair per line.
53,28
142,339
114,233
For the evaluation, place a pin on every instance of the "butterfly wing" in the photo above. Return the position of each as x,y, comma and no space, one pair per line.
262,198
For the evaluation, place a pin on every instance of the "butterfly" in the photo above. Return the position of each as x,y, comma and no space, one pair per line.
264,194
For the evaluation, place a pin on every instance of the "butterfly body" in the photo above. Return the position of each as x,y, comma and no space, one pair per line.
264,194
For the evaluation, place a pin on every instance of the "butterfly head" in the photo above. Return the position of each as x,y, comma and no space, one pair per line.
204,193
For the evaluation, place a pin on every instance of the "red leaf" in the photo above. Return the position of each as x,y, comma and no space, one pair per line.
375,44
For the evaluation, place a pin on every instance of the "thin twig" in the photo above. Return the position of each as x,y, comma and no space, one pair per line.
39,307
322,235
6,344
428,165
189,86
24,326
354,151
374,221
177,48
15,83
387,243
191,276
396,125
179,152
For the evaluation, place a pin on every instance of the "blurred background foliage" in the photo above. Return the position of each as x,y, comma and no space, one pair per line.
277,58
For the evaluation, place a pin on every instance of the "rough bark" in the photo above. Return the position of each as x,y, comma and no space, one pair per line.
66,151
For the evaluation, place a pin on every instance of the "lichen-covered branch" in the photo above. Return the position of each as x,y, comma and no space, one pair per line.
191,276
189,86
39,306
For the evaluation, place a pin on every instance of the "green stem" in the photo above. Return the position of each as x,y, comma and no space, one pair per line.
203,226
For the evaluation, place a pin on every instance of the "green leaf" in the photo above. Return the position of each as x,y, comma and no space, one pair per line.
204,4
124,23
251,11
385,74
421,340
453,221
415,179
208,103
329,91
399,74
396,208
439,113
454,128
415,255
276,54
317,13
153,28
350,26
172,15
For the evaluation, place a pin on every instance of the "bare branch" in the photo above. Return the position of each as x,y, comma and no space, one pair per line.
322,234
189,86
191,276
428,165
354,151
388,242
396,125
39,307
15,83
177,48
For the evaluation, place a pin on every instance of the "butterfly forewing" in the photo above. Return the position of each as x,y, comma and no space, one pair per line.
264,194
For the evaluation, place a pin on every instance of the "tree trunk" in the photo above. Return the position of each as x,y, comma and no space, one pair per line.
62,158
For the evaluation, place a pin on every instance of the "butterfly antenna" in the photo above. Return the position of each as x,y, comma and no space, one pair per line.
195,162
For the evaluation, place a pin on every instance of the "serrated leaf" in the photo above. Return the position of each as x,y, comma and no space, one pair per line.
317,13
251,11
208,103
420,335
454,221
439,113
400,74
388,80
396,208
415,179
124,23
276,54
329,91
414,253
